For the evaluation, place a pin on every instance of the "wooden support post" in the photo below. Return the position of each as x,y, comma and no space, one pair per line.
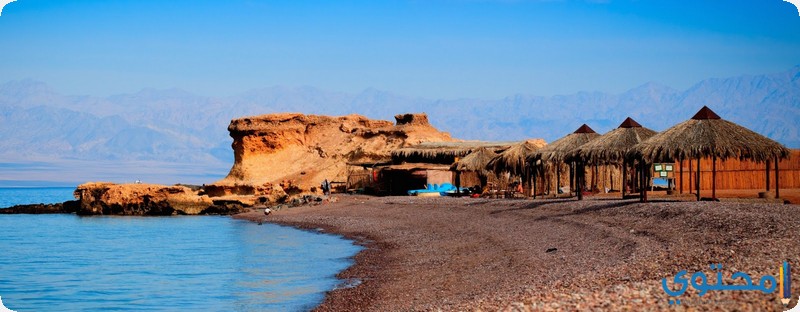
458,183
571,176
580,170
623,179
714,177
645,179
558,178
777,179
767,175
691,186
681,164
639,179
697,178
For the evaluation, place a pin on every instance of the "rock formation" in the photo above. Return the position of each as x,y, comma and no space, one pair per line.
299,151
101,198
277,157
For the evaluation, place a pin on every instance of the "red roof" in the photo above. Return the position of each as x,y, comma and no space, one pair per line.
706,113
630,123
584,129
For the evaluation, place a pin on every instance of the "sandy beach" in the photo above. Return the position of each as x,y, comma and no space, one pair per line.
469,254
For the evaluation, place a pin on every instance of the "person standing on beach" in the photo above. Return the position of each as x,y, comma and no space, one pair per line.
326,187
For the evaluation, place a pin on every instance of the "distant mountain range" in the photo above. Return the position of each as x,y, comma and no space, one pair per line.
174,127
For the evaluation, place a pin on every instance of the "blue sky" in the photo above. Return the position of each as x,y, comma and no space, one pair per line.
435,49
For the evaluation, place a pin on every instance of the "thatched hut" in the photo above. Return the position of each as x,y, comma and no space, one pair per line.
430,163
561,149
475,162
558,152
708,135
443,152
611,148
514,160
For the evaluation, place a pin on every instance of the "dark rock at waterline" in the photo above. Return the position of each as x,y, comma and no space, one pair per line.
150,207
225,207
71,206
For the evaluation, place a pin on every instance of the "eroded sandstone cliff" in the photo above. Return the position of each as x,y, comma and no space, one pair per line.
298,150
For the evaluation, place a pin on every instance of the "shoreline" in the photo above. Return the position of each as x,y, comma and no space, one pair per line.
480,254
364,267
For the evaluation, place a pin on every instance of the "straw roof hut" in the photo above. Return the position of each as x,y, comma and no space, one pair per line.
443,152
475,161
558,152
708,135
560,149
612,147
513,160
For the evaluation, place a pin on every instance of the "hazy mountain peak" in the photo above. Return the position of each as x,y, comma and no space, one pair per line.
189,128
19,90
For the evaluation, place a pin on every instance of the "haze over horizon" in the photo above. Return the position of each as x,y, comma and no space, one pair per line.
177,136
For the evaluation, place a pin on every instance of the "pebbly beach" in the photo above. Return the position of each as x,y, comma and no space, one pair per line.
465,254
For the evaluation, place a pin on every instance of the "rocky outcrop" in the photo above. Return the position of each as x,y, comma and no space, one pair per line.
101,198
302,150
278,157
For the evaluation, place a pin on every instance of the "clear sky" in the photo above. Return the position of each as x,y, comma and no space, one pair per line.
429,48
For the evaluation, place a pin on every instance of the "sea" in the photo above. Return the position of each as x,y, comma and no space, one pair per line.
65,262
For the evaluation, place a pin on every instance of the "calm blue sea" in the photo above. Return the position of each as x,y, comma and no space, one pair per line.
10,196
190,263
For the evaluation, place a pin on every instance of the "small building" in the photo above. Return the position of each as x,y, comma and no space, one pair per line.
416,166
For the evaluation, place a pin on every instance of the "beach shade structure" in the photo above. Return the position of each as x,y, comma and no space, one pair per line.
514,159
611,148
708,135
558,152
476,162
443,152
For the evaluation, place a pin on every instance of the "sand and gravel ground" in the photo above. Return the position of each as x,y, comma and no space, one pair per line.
457,254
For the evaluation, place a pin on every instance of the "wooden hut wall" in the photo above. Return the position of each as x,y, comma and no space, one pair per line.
736,175
359,178
470,179
440,176
607,177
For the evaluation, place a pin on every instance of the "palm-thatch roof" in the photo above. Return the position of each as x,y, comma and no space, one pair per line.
560,149
514,159
416,166
612,147
708,135
475,161
444,152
